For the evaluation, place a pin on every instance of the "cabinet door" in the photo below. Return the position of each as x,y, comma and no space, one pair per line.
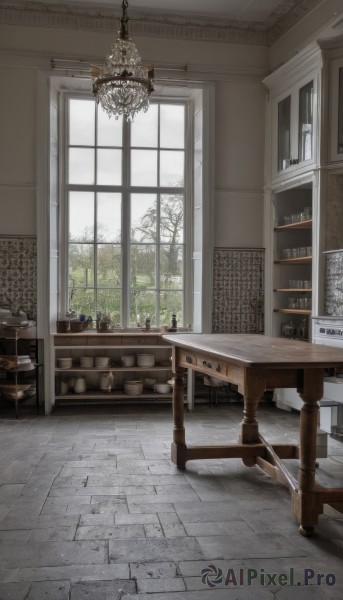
336,129
305,123
295,128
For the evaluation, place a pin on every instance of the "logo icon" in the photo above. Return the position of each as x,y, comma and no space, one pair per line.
212,576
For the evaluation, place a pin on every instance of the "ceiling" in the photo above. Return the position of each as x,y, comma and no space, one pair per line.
237,21
246,21
240,10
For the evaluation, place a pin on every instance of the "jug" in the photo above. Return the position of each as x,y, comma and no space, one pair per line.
106,382
80,385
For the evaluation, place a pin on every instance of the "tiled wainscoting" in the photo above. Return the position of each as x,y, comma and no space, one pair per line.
18,273
334,283
238,288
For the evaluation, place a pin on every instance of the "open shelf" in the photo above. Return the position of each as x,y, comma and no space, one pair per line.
299,225
302,260
293,311
292,290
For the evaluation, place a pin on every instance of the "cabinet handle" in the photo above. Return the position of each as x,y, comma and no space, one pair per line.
210,366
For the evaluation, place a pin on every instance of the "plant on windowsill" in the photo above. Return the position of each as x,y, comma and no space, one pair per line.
103,321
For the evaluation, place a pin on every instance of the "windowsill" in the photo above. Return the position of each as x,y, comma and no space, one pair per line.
121,331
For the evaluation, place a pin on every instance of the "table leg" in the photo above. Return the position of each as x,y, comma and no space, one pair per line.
178,447
306,504
254,386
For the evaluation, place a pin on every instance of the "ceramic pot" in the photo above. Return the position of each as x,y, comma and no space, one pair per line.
80,385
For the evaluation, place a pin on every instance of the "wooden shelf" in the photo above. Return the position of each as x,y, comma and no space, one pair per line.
293,311
302,260
299,225
119,395
292,290
113,346
116,368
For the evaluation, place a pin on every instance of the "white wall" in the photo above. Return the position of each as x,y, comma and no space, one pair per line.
236,70
239,109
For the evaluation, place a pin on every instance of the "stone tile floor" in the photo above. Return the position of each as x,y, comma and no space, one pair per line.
91,508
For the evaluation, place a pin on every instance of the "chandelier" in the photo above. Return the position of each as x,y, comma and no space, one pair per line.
123,85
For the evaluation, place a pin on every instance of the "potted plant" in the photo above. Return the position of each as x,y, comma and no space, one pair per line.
103,321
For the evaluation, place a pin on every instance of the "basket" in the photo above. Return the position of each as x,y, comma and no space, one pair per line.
133,388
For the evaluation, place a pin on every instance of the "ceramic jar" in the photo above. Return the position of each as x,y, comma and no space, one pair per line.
80,385
106,382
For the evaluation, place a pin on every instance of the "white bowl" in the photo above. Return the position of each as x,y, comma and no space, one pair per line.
146,360
87,362
65,362
162,388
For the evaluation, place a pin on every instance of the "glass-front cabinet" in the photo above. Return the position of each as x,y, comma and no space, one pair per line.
294,116
336,125
295,128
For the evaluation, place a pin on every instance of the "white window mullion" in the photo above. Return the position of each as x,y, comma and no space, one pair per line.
126,218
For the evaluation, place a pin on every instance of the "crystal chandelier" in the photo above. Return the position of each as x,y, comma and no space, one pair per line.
123,85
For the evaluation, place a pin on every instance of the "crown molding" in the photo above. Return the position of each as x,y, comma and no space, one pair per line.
156,24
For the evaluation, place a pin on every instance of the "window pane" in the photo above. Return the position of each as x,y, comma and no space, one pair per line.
108,265
81,122
108,302
82,301
144,128
109,167
110,131
340,112
143,266
172,126
171,303
172,168
284,133
81,265
144,167
305,122
108,217
81,166
171,218
142,305
81,216
171,266
143,217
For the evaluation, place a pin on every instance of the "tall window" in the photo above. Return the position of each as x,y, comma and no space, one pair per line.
125,207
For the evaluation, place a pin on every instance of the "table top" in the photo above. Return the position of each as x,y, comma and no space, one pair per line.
253,350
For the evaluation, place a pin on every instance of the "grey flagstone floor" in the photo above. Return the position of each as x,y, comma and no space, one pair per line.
91,507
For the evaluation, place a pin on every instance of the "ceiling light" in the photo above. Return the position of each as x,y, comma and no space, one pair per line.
123,86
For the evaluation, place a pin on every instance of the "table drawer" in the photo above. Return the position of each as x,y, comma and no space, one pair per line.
203,363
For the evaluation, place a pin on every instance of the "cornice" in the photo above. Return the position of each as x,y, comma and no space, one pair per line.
156,24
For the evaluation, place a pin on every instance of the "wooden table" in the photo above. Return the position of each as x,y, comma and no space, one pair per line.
256,363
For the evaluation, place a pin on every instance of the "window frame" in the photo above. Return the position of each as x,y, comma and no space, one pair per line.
125,189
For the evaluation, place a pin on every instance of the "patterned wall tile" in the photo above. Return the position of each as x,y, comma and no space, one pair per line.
238,288
334,284
18,274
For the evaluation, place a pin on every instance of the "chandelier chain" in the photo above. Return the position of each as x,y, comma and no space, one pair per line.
124,28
